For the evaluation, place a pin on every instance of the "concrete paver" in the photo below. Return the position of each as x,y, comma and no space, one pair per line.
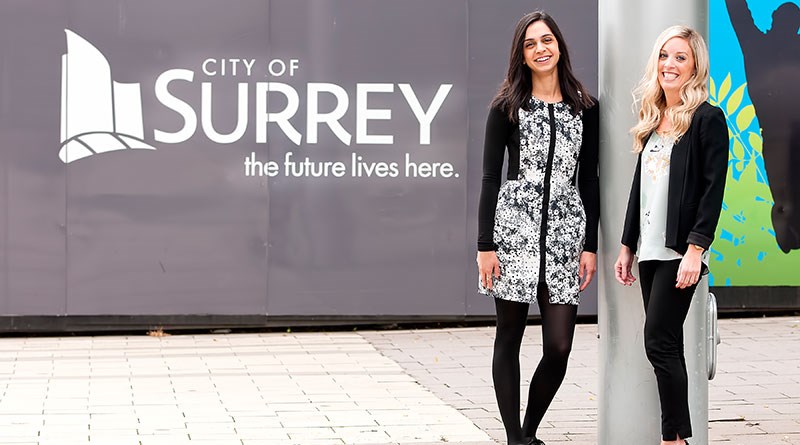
240,388
372,387
753,399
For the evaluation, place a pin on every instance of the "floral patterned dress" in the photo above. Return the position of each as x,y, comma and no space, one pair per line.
540,221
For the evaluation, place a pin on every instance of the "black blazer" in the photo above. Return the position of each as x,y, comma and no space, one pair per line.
697,172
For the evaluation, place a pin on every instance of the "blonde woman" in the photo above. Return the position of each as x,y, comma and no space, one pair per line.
674,206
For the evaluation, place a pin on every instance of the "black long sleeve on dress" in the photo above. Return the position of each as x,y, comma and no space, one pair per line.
588,182
500,132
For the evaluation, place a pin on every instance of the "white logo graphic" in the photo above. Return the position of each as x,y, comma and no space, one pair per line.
97,114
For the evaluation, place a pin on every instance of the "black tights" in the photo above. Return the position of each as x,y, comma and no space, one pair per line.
558,330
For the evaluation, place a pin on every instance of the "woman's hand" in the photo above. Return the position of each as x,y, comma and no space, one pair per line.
587,268
488,267
622,268
689,269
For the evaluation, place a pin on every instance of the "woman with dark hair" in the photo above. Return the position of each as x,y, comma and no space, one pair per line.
537,238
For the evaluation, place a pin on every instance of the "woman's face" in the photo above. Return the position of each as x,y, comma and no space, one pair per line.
675,64
540,48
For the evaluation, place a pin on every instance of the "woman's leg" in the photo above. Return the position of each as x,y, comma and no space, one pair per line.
558,330
511,319
663,337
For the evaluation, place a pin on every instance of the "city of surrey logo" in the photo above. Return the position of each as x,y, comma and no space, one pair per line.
98,115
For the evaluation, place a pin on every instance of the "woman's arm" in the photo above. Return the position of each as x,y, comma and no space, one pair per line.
713,151
588,183
498,129
630,229
589,188
714,155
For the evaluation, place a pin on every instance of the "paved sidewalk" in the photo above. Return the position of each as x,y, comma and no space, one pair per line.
753,400
375,387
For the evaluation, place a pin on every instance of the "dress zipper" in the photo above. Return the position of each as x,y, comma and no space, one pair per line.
546,194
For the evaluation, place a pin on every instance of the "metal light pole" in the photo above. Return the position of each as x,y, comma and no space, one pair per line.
629,410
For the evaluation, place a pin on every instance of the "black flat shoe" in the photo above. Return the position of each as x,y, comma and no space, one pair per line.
536,441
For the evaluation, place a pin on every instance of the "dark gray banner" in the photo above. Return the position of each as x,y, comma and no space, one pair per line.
277,157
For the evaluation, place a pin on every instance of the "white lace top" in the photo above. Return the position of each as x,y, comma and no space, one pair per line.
653,201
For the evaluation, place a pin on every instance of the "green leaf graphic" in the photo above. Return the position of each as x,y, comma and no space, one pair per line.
712,89
755,141
735,100
724,88
736,165
738,149
745,117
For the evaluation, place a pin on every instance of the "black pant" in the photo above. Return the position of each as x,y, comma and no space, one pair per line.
666,307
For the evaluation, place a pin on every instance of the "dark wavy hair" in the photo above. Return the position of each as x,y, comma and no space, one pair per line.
515,91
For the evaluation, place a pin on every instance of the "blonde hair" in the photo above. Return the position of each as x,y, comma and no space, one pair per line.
650,98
